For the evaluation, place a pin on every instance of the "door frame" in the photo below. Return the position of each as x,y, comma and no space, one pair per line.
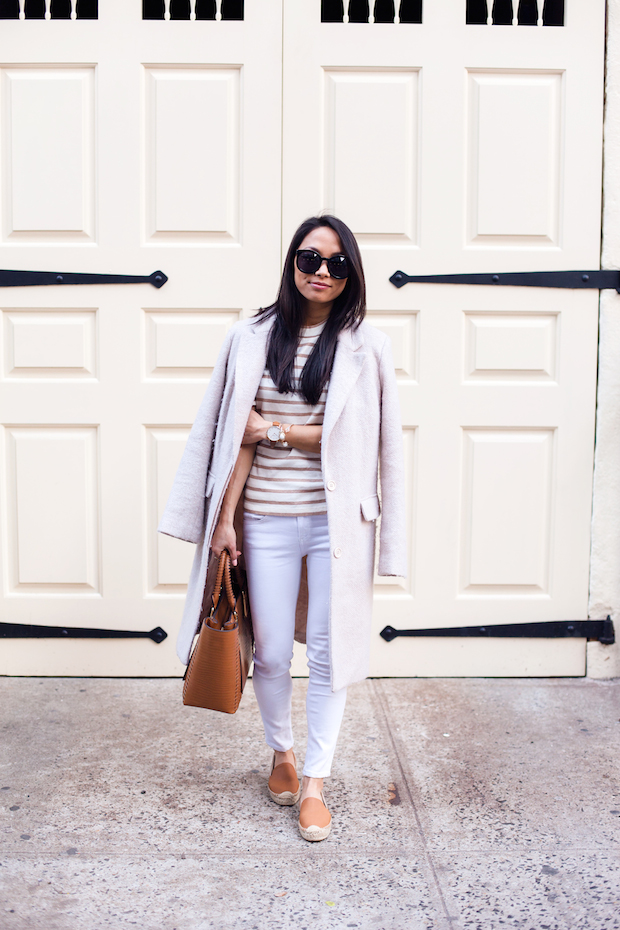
604,661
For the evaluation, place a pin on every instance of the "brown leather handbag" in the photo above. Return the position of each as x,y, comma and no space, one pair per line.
218,667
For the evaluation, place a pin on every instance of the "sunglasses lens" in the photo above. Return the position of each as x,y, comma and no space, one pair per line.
308,261
338,266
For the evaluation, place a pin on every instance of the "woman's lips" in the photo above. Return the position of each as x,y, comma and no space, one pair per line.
319,285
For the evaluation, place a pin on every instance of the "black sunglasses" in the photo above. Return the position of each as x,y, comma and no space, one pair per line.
309,262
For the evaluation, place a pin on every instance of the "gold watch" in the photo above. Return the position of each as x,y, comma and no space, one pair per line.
277,433
273,432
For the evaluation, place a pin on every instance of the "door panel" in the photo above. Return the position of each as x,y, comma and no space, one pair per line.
49,182
127,145
451,147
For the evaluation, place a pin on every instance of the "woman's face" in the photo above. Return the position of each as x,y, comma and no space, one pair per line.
319,288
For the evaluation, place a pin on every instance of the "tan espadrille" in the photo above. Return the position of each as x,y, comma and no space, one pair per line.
283,785
315,821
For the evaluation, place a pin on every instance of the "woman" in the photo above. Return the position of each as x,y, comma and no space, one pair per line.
300,412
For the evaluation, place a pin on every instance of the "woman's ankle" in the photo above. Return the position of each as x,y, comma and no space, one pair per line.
288,756
311,787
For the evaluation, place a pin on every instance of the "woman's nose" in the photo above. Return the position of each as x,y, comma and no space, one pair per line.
320,268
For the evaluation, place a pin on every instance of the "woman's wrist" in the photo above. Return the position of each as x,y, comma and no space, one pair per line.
226,520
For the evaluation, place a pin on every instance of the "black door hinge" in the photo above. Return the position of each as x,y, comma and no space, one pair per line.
601,630
578,280
31,631
38,278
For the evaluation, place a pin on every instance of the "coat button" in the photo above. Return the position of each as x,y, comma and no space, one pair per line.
337,552
331,485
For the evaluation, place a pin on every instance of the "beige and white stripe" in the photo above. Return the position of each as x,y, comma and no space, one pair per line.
283,480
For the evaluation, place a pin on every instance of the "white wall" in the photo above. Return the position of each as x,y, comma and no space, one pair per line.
604,661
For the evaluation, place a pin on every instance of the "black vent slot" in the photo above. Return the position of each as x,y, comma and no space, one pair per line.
381,11
332,11
196,9
58,9
9,9
528,12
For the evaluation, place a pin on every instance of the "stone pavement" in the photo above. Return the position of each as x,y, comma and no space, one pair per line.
458,804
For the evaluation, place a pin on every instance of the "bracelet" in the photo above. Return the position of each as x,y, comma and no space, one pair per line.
283,431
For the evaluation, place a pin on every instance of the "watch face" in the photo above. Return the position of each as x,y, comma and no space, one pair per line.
273,433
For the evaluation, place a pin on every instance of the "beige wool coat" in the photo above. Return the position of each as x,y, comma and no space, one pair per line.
361,431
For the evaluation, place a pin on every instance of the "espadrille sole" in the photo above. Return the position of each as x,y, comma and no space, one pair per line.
315,834
286,799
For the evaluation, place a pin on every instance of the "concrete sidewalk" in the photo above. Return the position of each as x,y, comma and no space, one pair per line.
457,803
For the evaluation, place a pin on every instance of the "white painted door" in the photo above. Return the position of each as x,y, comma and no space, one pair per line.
126,146
129,145
452,147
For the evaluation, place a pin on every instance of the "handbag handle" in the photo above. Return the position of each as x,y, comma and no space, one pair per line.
223,574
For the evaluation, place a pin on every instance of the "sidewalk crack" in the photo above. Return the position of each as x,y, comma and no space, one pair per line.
441,902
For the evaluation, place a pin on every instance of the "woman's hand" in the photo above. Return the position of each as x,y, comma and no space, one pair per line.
255,429
224,537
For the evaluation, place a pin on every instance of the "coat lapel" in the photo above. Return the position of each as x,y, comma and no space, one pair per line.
348,363
249,368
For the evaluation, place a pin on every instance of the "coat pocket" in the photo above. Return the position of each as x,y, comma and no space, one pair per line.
210,483
371,507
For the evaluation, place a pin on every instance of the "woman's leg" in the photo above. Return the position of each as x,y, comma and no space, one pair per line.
273,562
324,707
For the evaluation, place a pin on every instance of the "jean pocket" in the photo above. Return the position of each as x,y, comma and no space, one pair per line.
254,517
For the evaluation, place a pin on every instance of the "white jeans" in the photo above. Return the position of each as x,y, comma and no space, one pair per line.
273,548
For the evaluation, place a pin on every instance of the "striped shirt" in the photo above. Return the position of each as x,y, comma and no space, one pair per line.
282,480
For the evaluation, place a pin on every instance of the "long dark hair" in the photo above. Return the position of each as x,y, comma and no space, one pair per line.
348,311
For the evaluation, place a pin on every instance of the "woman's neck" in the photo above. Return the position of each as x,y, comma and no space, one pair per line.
316,313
